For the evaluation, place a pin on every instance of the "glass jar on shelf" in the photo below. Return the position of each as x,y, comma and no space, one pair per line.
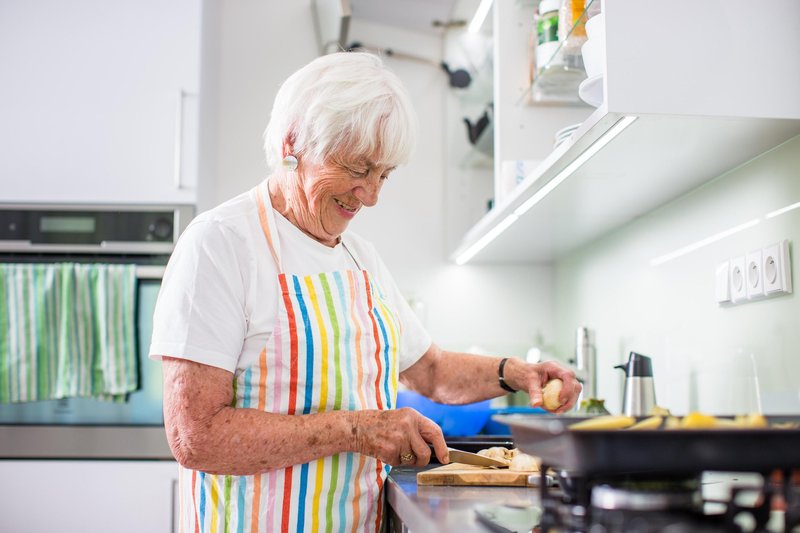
558,61
572,32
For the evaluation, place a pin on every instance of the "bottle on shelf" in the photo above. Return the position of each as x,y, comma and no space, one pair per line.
547,42
571,32
558,61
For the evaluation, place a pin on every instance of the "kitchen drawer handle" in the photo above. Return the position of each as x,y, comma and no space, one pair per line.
150,272
173,506
178,170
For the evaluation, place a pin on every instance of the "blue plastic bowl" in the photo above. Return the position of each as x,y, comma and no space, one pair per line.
494,427
455,420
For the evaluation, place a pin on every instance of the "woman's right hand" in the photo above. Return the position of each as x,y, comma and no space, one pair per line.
392,435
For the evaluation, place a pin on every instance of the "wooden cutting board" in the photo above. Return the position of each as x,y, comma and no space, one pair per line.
474,476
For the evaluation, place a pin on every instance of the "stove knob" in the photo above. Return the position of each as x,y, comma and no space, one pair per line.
160,230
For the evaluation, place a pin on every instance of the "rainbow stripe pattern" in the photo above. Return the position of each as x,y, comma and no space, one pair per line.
334,347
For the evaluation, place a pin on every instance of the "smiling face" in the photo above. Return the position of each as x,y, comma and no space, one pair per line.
321,200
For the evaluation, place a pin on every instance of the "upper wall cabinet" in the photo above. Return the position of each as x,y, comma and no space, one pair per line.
688,92
99,100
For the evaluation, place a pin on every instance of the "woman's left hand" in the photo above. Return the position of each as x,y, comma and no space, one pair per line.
532,378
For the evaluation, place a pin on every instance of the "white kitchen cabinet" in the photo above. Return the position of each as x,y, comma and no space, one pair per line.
39,496
692,90
99,100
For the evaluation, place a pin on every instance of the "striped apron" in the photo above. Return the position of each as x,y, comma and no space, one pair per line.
333,347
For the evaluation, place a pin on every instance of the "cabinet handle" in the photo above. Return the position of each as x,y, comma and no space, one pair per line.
178,170
174,491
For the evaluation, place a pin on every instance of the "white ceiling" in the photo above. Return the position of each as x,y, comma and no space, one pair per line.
412,15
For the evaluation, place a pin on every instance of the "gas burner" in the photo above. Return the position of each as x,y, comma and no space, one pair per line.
617,521
611,498
646,504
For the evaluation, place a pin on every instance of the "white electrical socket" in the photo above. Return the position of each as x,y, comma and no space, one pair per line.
758,274
755,279
777,268
738,279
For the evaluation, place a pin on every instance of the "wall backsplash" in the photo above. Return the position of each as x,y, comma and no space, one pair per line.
706,357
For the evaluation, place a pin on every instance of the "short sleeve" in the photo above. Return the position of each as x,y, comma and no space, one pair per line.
200,313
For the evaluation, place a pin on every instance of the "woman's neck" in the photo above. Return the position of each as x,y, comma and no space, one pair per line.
282,205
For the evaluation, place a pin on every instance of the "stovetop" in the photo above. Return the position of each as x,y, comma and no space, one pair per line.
706,502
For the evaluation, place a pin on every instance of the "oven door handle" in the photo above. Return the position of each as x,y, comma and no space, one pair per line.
138,247
12,245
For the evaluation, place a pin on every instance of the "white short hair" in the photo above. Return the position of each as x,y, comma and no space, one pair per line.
345,104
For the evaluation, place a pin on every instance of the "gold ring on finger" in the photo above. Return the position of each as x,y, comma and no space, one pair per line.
408,458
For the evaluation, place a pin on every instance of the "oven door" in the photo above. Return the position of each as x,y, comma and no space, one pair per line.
90,428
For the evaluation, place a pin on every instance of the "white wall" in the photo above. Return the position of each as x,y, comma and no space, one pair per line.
259,43
254,46
706,357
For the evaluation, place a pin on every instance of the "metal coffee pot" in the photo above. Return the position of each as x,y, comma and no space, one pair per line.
640,392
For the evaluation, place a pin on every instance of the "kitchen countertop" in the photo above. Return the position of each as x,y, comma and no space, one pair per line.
84,442
447,509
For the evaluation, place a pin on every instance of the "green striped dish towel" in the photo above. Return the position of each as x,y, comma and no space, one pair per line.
68,330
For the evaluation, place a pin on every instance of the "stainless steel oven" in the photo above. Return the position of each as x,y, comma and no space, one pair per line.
132,234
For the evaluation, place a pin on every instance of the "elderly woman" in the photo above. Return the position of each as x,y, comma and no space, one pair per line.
283,336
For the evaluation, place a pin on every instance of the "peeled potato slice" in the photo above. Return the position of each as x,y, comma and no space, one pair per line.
653,422
698,421
551,393
753,420
658,410
604,422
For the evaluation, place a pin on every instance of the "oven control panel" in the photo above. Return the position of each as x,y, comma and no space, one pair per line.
107,229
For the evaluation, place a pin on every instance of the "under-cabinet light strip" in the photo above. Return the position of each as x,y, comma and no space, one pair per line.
782,210
480,16
703,242
606,138
470,252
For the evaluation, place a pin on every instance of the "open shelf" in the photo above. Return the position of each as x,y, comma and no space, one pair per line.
690,118
655,159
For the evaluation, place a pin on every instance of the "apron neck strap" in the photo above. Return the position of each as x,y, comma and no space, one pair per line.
266,217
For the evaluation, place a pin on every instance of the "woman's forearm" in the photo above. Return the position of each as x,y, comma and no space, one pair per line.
459,378
205,432
454,378
239,441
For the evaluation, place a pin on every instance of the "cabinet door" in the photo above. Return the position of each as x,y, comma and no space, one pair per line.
88,496
99,100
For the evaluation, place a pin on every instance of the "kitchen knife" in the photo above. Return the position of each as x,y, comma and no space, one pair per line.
467,458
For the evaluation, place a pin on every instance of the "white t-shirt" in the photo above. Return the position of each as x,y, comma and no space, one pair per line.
219,297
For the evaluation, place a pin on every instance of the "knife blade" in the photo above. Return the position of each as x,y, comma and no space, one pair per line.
467,458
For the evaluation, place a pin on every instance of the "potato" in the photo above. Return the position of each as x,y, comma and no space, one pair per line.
551,393
525,462
496,452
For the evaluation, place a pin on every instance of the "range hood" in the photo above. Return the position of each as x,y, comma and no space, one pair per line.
331,24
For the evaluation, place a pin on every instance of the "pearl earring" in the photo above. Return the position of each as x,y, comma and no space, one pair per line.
290,163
